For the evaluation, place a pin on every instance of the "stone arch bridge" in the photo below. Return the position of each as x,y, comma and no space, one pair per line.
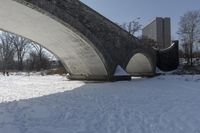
90,46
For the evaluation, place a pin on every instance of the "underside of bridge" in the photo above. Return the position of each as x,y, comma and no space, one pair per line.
76,52
89,45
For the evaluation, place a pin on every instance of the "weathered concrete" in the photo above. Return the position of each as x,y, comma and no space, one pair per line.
89,45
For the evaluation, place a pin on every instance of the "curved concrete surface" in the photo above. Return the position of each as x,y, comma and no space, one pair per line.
139,65
76,52
89,45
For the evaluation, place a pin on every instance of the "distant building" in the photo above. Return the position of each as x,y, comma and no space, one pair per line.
159,30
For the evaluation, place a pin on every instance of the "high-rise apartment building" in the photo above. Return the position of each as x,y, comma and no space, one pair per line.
159,30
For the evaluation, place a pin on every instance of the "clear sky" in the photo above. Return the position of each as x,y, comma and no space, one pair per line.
126,10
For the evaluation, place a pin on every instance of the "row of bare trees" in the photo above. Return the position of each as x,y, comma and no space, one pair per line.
189,33
18,53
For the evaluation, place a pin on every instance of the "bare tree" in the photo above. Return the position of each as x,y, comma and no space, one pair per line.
189,30
132,27
20,53
124,26
7,50
39,57
22,45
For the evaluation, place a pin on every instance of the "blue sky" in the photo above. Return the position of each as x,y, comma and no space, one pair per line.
126,10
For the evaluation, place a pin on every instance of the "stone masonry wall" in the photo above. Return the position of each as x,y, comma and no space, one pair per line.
113,42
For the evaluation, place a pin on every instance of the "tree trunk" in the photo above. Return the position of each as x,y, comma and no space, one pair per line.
191,56
20,64
187,53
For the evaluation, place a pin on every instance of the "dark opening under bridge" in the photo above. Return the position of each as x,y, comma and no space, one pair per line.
89,45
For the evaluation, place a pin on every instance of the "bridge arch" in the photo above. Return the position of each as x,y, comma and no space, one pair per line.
79,55
142,62
89,45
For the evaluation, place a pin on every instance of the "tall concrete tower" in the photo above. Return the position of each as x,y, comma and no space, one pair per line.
159,30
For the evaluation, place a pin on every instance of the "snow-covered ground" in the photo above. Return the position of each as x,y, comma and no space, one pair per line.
52,104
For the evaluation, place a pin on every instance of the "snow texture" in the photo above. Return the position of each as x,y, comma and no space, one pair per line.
120,71
52,104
